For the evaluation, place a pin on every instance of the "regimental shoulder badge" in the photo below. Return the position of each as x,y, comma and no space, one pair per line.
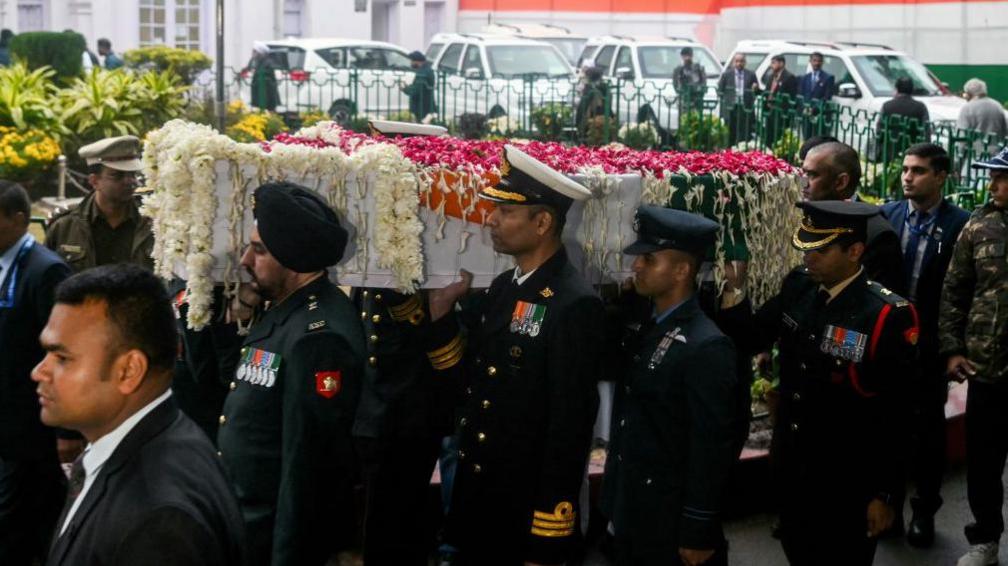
843,343
328,383
663,346
527,318
258,367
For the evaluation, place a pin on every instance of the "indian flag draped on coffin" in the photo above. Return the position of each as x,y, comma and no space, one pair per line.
411,207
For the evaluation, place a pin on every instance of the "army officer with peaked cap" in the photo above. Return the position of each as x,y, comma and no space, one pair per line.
678,408
284,434
529,366
848,349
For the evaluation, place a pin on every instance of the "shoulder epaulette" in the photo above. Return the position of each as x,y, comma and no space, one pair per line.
886,295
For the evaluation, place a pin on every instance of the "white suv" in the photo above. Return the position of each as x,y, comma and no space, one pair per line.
498,75
644,68
569,44
865,74
338,76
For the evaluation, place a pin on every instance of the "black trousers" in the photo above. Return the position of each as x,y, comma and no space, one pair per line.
928,446
32,491
827,532
986,449
629,553
397,527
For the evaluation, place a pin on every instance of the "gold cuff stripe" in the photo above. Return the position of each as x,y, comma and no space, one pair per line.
411,311
504,194
447,356
552,534
446,349
558,525
448,364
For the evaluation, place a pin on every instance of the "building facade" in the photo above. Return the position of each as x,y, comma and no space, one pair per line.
191,23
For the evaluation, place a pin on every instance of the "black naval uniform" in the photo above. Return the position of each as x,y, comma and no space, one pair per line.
285,430
673,440
846,367
530,371
404,413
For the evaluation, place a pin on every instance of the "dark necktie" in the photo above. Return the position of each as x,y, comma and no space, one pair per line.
917,230
75,484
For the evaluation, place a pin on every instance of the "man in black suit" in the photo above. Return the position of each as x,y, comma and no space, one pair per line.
928,226
31,482
832,171
673,439
737,91
781,90
816,89
148,488
903,121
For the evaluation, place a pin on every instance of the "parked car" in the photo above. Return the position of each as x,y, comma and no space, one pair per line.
498,75
569,44
339,76
865,73
642,69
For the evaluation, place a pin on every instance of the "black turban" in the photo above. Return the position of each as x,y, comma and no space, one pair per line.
301,231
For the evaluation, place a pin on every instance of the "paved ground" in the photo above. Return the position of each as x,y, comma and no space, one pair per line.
752,545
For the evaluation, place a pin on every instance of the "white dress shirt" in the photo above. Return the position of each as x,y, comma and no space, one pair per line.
518,278
99,451
839,287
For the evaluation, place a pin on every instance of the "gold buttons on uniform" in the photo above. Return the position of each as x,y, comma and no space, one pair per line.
477,469
461,454
234,386
219,453
481,437
796,397
377,297
462,421
365,294
485,404
374,338
363,315
491,371
794,427
222,420
376,318
373,361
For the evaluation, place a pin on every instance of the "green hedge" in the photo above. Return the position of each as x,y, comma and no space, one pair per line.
60,50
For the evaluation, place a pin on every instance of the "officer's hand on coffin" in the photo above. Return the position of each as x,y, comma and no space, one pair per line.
959,368
441,301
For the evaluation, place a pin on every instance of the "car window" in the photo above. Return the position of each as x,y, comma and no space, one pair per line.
658,61
515,60
287,58
473,60
881,71
586,54
450,59
604,58
374,58
753,59
396,60
569,47
433,50
335,56
624,58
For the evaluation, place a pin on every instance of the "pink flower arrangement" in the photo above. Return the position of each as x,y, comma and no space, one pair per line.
479,156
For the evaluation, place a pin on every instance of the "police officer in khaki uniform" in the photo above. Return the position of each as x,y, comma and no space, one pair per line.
284,434
530,374
848,360
106,227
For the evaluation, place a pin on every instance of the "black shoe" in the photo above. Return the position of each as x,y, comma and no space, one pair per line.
921,532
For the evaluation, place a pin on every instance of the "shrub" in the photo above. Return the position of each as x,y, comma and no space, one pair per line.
25,154
639,136
702,132
60,50
185,63
26,98
312,117
106,103
256,127
786,147
551,118
472,126
360,124
601,130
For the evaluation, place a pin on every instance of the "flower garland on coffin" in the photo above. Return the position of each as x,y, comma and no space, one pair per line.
750,194
202,182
